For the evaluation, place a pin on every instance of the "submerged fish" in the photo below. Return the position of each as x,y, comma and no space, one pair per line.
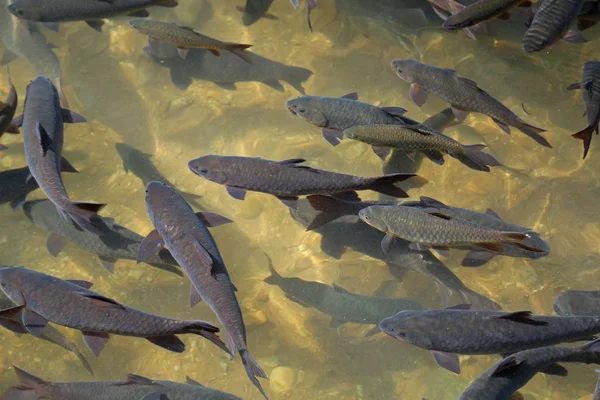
446,8
134,388
463,94
287,179
577,302
185,38
42,298
255,10
113,243
309,6
51,12
401,137
590,92
43,132
458,331
14,186
186,235
7,112
502,380
550,23
483,10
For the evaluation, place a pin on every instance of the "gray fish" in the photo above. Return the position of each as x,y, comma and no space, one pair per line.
113,243
43,132
446,8
590,92
140,164
551,23
287,179
134,388
463,95
254,10
428,228
589,15
185,38
50,12
186,235
309,6
577,302
342,305
459,331
42,298
7,112
14,186
226,70
481,11
502,380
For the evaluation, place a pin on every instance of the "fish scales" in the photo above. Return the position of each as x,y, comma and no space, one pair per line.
405,138
551,21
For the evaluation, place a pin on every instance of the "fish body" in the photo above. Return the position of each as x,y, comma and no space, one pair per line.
44,298
134,388
590,92
286,179
254,10
7,112
463,94
187,237
14,186
43,131
513,372
550,23
577,302
447,8
480,11
114,242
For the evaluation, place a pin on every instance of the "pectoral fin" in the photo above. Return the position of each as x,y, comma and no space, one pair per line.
447,361
150,246
95,341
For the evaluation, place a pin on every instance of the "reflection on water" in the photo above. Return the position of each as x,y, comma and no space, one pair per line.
177,110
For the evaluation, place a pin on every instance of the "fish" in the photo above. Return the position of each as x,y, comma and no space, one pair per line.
115,242
43,131
7,112
227,70
186,235
185,38
483,10
589,15
459,330
463,95
428,228
590,92
287,179
140,164
52,12
551,23
136,387
447,8
14,186
401,137
342,305
309,6
42,298
577,302
254,10
503,379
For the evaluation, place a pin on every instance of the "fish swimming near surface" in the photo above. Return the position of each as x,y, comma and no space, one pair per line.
309,6
254,10
447,8
590,92
551,23
7,112
42,298
458,330
186,235
463,95
185,38
52,12
501,381
287,179
136,387
577,302
481,11
113,243
43,130
14,186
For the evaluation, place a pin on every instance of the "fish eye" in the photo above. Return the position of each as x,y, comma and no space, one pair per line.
301,110
367,218
3,284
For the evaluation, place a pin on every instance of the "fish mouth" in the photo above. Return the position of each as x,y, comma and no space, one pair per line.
293,111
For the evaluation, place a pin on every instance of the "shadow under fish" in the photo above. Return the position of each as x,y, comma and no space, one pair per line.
14,186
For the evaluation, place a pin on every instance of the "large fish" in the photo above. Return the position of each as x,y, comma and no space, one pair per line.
463,95
51,12
43,132
42,298
551,23
590,92
7,112
287,179
113,243
14,186
186,235
446,8
481,11
502,380
458,331
254,10
226,70
134,388
577,302
185,38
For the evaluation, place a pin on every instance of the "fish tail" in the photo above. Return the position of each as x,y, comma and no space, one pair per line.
207,331
296,76
586,136
386,184
240,51
475,158
253,370
30,387
330,209
85,215
533,132
517,238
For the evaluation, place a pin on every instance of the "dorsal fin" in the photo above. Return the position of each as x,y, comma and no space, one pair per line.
351,96
523,317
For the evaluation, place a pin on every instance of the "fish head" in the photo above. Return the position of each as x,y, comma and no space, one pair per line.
11,279
309,109
27,9
408,327
138,24
210,167
406,69
373,216
158,196
41,88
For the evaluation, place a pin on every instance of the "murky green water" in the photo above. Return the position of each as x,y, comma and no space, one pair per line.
129,98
